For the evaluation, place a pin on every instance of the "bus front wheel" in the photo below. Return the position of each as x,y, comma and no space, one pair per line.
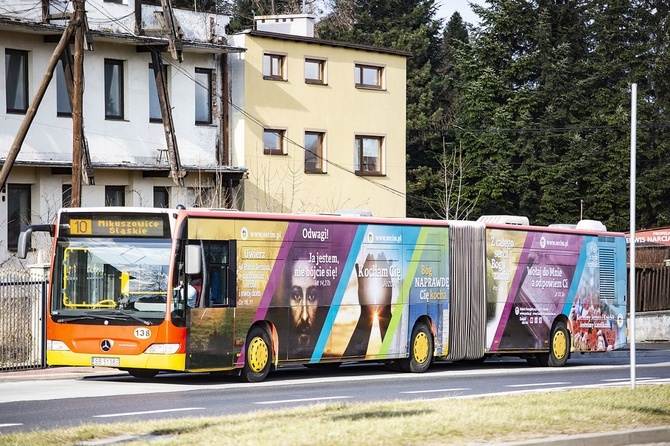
258,358
420,351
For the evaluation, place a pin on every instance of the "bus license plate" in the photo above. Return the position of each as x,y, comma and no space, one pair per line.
106,362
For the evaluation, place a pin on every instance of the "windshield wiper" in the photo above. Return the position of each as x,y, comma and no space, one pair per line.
116,316
90,316
124,314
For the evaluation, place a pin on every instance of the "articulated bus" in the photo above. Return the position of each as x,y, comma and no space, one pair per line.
193,290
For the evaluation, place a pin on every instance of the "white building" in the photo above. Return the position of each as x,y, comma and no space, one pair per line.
123,125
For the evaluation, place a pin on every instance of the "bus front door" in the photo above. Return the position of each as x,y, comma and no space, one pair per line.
210,319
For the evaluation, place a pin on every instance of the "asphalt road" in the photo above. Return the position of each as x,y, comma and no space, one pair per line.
69,397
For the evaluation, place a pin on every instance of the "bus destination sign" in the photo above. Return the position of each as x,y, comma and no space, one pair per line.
115,226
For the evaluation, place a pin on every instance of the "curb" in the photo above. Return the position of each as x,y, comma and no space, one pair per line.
649,435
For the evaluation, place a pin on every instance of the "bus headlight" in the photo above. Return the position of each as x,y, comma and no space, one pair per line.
58,346
162,349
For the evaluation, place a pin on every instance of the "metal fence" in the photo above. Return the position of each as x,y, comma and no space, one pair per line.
22,299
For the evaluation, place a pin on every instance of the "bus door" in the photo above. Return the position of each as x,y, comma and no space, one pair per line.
211,305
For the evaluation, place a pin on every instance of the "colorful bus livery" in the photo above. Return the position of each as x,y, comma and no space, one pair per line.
148,290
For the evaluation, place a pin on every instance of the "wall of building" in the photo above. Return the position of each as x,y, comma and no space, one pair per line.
278,183
133,140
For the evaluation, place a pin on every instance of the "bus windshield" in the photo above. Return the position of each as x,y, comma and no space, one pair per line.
126,279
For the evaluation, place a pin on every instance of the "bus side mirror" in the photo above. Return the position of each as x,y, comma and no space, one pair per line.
24,238
193,261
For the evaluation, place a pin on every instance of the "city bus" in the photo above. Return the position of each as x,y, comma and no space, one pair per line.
198,290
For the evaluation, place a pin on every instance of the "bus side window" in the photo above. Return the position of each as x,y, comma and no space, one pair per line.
219,291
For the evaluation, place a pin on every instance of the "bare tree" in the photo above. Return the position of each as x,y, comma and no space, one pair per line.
453,205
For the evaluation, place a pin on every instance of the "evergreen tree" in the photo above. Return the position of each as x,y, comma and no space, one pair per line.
544,108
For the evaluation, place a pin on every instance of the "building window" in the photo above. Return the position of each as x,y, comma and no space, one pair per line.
203,96
115,195
273,141
66,195
16,84
368,76
314,152
161,197
274,66
113,89
62,95
315,71
18,212
368,155
155,114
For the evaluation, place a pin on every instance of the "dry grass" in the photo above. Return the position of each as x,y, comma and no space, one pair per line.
447,421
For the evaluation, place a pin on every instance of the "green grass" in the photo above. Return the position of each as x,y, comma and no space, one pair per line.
445,421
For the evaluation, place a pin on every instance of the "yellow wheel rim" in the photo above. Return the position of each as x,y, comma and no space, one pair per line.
421,346
257,355
559,345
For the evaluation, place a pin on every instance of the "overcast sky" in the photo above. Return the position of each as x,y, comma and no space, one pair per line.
448,7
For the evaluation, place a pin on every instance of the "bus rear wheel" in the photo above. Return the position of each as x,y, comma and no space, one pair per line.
258,358
559,350
420,351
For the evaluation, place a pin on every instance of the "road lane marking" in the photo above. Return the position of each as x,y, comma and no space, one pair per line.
639,378
456,389
147,412
11,424
563,383
303,400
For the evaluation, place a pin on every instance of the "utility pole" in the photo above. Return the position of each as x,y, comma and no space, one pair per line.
77,102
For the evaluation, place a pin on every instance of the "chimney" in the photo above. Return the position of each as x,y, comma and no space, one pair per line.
295,24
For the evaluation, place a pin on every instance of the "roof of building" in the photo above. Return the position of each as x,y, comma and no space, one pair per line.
42,28
317,41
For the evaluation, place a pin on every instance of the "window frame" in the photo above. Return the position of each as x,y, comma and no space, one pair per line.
154,101
119,88
359,76
22,81
359,155
202,92
62,94
321,80
160,190
16,223
111,189
66,195
319,156
280,134
281,58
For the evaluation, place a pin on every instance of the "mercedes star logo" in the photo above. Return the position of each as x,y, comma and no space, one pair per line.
106,345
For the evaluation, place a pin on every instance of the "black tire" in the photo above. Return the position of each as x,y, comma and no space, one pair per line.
142,373
258,357
420,350
559,346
